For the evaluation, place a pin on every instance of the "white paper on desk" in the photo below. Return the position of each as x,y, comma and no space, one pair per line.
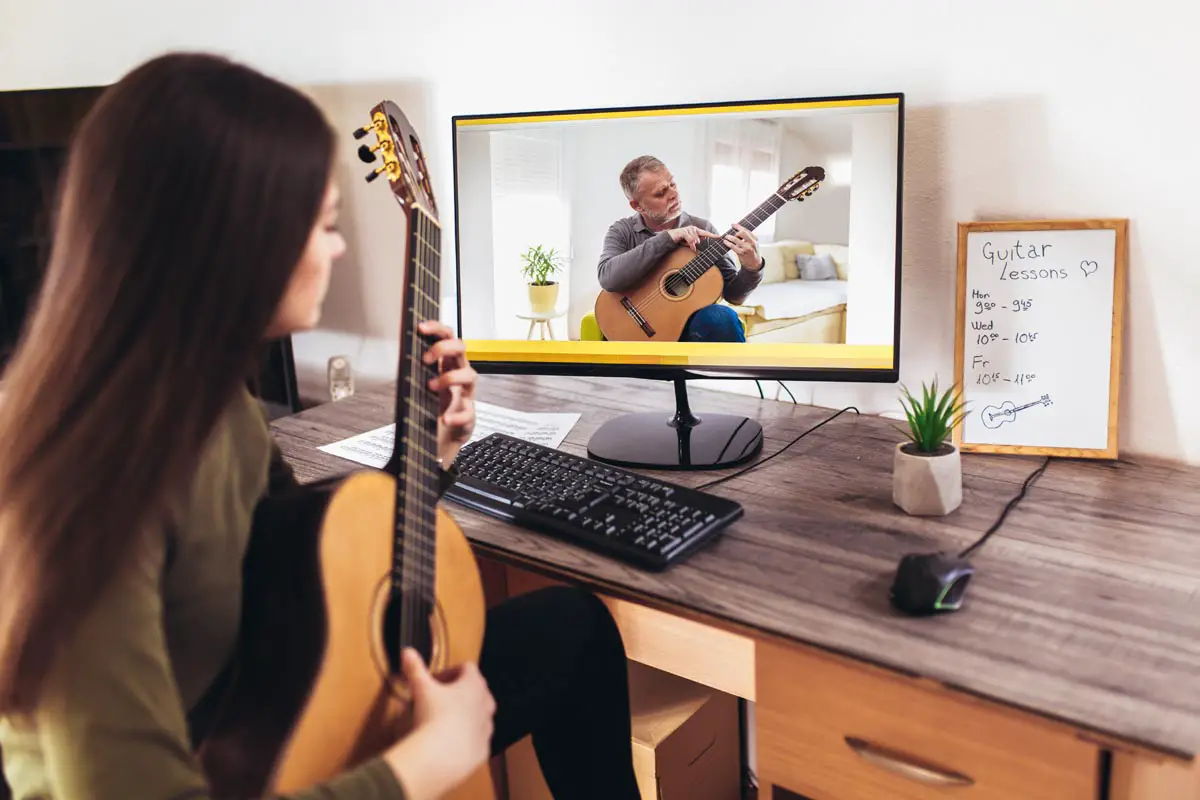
374,448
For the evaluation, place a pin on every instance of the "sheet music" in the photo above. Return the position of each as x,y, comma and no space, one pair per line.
374,447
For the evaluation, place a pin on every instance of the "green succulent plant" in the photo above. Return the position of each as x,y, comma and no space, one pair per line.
932,417
539,264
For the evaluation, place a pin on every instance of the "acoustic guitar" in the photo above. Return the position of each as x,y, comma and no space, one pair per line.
341,576
995,416
683,282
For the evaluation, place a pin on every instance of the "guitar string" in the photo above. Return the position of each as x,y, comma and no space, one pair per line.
407,613
412,445
719,249
427,299
415,572
411,609
433,241
422,524
712,254
704,260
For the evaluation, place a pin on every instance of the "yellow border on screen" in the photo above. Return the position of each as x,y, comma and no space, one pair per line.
666,112
693,354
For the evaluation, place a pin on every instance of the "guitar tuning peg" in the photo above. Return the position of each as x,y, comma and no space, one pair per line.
361,132
366,154
375,173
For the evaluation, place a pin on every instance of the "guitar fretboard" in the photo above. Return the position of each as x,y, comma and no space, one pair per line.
415,460
714,250
1029,405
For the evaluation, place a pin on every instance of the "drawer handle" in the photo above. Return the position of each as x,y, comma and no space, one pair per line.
907,765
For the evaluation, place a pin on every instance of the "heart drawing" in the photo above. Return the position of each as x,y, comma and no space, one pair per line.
1088,267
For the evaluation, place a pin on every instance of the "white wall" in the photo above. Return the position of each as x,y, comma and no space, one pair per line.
825,217
475,205
361,316
870,292
1086,122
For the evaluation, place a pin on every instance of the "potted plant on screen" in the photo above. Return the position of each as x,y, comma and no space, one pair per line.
540,264
927,469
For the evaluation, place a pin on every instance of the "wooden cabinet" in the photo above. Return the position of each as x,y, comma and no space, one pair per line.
830,729
712,656
1141,777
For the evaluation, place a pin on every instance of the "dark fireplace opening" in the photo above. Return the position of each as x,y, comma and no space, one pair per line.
36,126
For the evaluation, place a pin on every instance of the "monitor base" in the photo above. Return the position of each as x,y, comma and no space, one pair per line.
652,440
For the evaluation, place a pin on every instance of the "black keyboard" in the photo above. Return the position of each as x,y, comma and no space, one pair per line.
643,521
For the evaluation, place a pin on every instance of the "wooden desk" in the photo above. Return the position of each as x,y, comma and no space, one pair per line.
1073,670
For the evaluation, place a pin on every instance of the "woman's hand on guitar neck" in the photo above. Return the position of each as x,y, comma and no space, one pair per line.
455,386
452,729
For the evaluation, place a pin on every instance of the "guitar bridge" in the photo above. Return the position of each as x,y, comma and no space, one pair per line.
641,321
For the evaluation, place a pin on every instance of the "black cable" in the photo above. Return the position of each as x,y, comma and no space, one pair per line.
1033,476
762,461
760,391
789,391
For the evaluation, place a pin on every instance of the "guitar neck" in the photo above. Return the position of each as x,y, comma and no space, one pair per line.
414,460
1029,405
715,249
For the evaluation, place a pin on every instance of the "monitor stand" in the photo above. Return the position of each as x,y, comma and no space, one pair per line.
652,440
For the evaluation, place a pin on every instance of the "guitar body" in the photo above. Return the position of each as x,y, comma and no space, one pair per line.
995,416
313,694
664,314
685,281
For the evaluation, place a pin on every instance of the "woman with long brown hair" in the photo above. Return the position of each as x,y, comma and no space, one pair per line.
197,219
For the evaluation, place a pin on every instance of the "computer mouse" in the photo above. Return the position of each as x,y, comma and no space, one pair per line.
931,583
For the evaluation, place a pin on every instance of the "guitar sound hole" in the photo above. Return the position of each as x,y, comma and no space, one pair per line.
399,632
675,286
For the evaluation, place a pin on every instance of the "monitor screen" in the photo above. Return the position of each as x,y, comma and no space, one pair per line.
615,240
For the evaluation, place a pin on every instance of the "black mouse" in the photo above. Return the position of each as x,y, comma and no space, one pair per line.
931,583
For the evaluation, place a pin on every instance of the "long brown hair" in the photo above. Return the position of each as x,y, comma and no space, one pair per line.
188,196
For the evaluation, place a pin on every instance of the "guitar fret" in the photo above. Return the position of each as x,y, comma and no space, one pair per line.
426,270
422,450
425,471
423,412
421,292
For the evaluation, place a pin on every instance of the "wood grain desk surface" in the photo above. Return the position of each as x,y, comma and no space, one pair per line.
1084,606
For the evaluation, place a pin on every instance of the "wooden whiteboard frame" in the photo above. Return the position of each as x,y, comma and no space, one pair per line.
1118,322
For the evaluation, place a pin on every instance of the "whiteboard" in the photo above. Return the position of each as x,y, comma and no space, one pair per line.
1038,336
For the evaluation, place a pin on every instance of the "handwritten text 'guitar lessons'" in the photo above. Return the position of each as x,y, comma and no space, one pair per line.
1038,331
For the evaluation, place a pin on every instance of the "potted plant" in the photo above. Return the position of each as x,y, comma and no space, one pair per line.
540,264
927,469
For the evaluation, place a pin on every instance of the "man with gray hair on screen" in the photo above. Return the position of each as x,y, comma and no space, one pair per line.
634,245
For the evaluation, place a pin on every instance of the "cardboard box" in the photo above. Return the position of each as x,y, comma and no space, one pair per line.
685,742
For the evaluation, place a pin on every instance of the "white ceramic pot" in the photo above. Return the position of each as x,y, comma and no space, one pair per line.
927,484
543,299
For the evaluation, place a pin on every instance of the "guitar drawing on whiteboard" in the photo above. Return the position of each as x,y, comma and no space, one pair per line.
995,416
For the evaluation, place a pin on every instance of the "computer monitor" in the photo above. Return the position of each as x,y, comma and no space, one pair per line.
567,263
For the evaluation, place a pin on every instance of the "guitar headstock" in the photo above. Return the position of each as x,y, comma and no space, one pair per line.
397,143
802,184
1045,400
